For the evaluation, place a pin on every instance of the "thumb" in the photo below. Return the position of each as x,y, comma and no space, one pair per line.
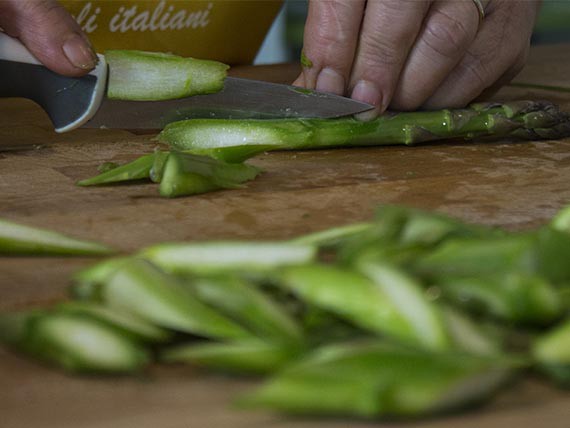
50,33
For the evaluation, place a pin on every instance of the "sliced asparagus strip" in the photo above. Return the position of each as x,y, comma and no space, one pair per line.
152,76
365,303
243,302
331,238
18,239
480,256
517,297
76,342
241,357
128,324
143,290
217,257
186,174
423,317
139,169
374,379
552,353
533,120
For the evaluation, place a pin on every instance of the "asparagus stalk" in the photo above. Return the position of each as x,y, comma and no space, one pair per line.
153,76
17,239
237,140
77,342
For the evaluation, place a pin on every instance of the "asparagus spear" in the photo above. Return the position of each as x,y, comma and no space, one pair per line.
77,342
374,379
26,240
152,76
236,140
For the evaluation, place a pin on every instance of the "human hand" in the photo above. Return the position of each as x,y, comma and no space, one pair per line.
410,54
50,33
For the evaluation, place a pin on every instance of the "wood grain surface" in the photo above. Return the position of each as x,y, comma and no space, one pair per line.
517,185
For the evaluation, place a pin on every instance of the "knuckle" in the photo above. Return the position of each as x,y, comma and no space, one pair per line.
375,49
447,35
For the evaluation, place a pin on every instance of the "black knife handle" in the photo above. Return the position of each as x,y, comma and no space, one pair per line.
68,101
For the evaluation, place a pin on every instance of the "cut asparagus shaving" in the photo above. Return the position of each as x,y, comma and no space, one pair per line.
552,353
153,76
243,357
374,379
143,290
423,317
130,325
17,239
520,298
361,301
243,302
139,169
531,120
217,257
76,342
334,237
186,174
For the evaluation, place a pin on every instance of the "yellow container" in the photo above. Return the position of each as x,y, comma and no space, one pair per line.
230,31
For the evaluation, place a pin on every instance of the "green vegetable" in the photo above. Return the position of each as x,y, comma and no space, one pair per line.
17,239
243,302
305,61
87,282
552,352
331,238
218,257
241,357
375,305
236,140
137,170
186,174
135,327
517,297
375,379
76,342
152,76
143,290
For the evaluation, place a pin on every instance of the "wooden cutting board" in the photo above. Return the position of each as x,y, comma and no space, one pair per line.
517,185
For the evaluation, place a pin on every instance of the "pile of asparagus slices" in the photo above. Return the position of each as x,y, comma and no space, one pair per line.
410,314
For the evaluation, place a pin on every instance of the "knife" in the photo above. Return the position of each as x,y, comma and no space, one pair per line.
73,102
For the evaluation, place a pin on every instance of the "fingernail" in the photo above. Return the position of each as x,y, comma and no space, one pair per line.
330,81
367,92
79,53
367,116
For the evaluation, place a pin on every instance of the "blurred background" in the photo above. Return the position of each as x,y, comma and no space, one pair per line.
285,39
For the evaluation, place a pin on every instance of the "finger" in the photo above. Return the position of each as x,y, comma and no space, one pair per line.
496,52
331,34
388,32
447,33
50,33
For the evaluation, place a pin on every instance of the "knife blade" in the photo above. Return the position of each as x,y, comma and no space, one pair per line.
73,102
